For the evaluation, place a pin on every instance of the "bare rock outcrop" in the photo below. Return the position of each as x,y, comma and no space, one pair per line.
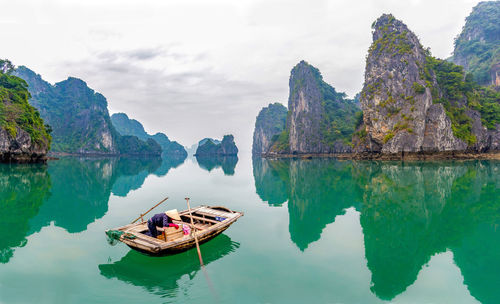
20,148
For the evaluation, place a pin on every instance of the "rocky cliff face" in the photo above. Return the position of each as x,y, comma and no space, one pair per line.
270,122
477,48
20,148
126,126
79,118
305,110
395,115
320,120
226,147
23,134
413,102
88,114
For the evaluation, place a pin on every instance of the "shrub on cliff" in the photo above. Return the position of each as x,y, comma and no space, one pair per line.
455,87
16,112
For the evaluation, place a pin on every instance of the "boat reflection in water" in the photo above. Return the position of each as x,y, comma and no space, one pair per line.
226,163
160,275
409,212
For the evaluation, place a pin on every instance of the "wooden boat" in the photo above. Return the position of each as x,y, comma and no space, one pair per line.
208,223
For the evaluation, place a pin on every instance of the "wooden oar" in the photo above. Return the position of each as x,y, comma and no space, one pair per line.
166,198
195,237
209,282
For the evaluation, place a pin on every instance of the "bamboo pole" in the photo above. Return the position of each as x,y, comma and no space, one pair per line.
143,214
209,282
194,233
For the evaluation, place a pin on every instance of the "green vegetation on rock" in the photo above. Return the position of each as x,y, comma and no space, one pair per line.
390,40
418,88
487,102
15,110
339,116
458,92
280,141
451,91
477,48
270,122
132,145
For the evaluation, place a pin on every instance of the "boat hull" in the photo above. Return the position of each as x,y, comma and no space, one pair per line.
207,226
179,248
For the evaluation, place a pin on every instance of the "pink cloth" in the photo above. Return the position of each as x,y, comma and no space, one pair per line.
186,229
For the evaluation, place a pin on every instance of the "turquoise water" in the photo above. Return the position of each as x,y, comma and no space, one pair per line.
321,231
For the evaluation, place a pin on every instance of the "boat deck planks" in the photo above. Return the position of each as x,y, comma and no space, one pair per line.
208,211
205,219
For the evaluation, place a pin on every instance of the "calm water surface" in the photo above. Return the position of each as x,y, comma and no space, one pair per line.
322,231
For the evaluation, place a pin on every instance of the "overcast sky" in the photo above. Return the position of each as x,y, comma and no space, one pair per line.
195,69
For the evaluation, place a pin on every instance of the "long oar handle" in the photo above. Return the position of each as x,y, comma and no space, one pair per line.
143,214
194,233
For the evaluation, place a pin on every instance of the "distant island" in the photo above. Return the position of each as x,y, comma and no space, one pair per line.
126,126
212,153
192,149
413,105
209,147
